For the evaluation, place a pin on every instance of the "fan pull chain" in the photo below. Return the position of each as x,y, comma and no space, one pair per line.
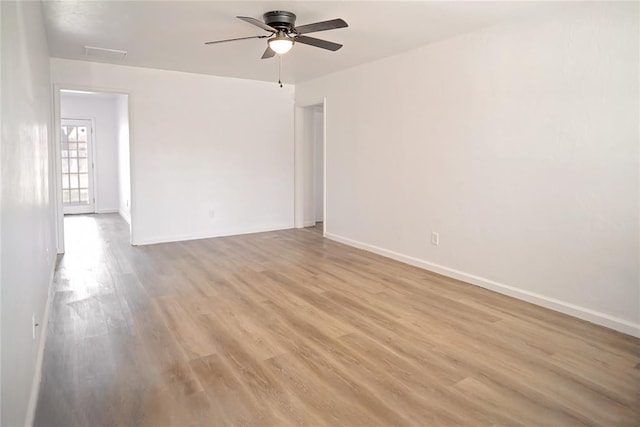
279,69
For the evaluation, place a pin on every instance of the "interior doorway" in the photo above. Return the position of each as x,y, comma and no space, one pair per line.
310,166
92,155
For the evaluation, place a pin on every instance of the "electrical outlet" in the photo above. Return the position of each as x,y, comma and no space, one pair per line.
212,213
127,203
435,238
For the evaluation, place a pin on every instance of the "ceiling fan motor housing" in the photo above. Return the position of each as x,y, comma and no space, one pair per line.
280,19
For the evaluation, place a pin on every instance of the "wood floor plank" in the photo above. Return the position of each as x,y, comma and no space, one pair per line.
324,395
288,328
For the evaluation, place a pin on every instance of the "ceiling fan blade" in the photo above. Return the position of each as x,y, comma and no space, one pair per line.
321,26
268,53
239,38
318,43
257,23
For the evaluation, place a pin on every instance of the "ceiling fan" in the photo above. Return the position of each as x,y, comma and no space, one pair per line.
284,33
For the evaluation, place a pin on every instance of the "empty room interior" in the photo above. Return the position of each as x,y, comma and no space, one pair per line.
320,213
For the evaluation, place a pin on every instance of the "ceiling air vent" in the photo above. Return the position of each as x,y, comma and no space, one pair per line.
98,52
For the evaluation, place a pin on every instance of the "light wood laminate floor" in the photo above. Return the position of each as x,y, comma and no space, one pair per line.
287,328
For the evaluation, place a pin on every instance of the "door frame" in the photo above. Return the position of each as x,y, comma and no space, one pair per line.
93,176
300,141
56,162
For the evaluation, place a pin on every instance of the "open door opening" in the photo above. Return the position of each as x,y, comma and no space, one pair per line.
92,157
310,153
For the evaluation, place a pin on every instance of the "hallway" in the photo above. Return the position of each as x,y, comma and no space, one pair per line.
289,328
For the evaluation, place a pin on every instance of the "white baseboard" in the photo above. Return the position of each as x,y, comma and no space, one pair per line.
583,313
125,216
208,235
105,211
37,376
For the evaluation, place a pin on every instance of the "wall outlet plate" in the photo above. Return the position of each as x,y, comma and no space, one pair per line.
435,238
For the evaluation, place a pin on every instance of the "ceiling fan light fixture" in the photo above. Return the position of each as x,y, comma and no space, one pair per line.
281,44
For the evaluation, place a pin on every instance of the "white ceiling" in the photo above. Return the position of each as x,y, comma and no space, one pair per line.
171,34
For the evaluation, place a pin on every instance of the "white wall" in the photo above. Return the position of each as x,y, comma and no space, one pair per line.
28,220
210,155
102,109
518,144
124,181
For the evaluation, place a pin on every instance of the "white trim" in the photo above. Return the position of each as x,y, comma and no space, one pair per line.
133,183
57,87
57,174
298,194
37,376
126,217
197,236
324,165
583,313
106,211
309,224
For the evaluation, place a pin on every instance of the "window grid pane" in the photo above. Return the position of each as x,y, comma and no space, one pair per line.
75,164
82,134
73,181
